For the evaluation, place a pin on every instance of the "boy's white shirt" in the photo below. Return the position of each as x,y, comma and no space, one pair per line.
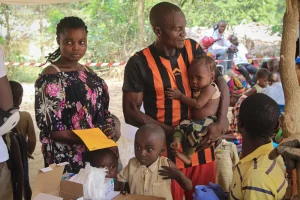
240,56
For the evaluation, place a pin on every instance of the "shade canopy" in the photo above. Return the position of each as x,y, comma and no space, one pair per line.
35,2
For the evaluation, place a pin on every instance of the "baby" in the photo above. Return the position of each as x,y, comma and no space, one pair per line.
204,104
149,173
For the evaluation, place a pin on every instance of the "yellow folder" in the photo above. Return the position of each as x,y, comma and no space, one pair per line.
95,139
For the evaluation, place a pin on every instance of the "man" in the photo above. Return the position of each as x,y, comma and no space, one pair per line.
162,65
241,61
221,47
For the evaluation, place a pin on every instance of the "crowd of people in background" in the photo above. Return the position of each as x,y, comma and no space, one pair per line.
185,146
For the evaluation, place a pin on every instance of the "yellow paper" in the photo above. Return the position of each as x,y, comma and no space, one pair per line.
94,139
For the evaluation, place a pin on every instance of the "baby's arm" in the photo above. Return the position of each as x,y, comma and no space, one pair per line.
123,187
172,172
121,183
204,96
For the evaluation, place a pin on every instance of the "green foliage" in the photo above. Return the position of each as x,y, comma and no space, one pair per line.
114,33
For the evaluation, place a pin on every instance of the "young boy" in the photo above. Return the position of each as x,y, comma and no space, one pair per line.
104,158
226,158
256,176
25,125
149,173
204,104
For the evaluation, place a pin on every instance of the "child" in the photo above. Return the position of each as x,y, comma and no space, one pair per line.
104,158
256,176
204,104
25,125
262,81
273,78
273,65
226,159
117,127
148,173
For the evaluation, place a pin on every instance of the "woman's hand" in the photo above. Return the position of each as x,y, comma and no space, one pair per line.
110,133
173,93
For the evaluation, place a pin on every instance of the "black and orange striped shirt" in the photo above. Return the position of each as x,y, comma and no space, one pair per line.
151,72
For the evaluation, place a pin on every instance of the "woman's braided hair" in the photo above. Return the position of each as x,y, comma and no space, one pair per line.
67,22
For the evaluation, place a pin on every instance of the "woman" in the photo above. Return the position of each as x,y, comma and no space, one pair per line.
70,96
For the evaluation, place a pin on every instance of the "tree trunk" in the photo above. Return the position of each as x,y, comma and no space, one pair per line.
141,22
42,47
291,116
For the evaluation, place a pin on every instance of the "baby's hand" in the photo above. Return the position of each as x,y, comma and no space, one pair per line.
173,93
176,144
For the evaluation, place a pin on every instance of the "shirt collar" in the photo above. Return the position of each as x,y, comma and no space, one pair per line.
153,166
264,149
161,54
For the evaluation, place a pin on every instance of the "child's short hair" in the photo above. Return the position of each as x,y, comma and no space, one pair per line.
17,92
92,156
259,115
262,73
273,77
208,61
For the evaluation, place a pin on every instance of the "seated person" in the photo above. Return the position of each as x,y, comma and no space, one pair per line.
221,47
273,78
262,76
204,104
242,65
104,158
255,176
25,125
273,65
149,173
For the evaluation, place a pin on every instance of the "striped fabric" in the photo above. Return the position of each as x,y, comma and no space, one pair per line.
165,72
257,177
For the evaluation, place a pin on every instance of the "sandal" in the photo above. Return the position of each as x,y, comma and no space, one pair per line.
8,120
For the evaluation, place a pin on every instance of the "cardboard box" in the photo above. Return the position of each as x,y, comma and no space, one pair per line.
50,186
137,197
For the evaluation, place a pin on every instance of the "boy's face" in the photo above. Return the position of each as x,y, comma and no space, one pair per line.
263,82
107,161
199,76
148,147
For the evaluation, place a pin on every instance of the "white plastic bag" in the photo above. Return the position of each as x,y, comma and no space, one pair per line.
92,180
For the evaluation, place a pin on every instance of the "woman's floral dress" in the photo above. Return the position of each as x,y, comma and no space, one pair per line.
70,100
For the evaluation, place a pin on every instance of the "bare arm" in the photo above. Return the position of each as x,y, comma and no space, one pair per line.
66,136
31,135
204,96
250,92
131,109
224,100
172,172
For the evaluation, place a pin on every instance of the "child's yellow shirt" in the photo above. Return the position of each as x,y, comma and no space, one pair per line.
258,177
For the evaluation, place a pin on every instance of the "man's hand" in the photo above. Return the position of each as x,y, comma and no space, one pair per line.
110,133
289,149
173,93
212,133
